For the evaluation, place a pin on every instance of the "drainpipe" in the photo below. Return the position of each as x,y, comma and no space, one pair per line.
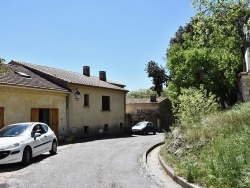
67,114
125,119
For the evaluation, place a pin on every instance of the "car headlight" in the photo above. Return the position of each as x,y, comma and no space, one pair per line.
12,146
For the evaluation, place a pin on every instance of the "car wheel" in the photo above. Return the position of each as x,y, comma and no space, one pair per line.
53,148
154,132
26,156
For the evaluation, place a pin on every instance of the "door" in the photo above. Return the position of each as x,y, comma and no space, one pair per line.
40,143
1,117
54,123
43,115
34,115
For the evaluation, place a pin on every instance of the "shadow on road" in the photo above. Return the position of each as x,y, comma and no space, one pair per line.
18,166
104,137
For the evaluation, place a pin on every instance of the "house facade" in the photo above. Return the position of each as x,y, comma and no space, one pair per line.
98,111
156,110
26,96
84,104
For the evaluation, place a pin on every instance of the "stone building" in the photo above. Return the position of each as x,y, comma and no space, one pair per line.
156,110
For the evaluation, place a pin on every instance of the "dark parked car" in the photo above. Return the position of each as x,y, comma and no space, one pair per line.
144,127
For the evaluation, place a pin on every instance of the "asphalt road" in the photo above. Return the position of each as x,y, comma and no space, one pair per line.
104,163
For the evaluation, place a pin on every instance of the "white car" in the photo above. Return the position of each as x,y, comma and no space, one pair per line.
22,141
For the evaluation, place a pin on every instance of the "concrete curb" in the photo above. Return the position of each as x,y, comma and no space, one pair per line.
179,180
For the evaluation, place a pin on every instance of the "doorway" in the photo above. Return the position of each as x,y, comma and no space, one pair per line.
46,115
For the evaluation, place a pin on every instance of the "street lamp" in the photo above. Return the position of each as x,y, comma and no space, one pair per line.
77,94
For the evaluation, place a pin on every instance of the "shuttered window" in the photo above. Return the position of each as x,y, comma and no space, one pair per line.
1,117
105,103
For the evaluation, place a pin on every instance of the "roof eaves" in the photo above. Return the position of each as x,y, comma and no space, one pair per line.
33,87
89,83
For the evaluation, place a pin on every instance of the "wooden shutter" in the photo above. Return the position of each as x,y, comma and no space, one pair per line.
34,115
1,117
54,125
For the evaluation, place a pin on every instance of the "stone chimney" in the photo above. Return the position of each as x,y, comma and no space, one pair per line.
102,75
153,98
86,71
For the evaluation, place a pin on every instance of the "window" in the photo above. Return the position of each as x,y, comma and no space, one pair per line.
137,111
105,103
22,74
86,100
86,130
38,129
106,127
45,128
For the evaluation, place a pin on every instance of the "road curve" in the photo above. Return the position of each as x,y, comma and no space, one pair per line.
104,163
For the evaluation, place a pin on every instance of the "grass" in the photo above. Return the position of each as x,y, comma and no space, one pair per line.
214,152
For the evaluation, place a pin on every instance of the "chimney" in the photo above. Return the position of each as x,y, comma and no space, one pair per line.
153,98
86,71
102,75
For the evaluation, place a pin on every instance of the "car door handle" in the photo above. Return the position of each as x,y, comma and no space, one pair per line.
45,136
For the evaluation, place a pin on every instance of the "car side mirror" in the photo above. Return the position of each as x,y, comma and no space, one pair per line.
36,135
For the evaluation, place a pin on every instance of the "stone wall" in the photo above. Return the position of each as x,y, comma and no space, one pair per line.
244,86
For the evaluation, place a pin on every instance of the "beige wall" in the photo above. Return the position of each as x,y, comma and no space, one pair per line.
93,116
17,103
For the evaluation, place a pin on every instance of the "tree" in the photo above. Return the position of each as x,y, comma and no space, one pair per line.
194,103
2,69
159,76
144,93
208,50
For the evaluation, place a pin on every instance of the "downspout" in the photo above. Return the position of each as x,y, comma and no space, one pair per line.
67,114
125,127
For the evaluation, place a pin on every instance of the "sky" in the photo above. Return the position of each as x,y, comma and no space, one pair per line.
116,36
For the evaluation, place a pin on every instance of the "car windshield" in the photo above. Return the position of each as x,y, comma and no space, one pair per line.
141,124
14,130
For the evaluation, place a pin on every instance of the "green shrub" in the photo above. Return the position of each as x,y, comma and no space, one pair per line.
214,151
194,103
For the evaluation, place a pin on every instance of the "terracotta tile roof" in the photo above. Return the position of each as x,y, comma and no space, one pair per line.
22,77
143,100
70,77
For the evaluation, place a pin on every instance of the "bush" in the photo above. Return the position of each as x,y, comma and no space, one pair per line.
215,151
193,104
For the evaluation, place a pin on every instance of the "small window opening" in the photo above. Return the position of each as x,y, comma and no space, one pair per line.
86,100
106,127
86,129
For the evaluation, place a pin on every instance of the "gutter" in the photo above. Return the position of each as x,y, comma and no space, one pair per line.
34,88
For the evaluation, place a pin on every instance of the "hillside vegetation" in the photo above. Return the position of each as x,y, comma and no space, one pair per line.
213,152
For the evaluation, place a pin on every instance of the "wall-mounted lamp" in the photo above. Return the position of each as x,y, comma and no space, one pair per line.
77,94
